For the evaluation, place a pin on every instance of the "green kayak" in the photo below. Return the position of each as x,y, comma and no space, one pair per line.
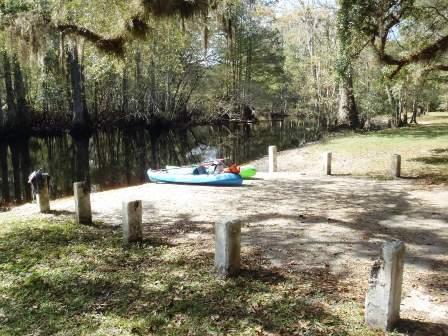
247,172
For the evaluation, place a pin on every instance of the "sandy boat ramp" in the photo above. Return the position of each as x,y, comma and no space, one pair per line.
298,221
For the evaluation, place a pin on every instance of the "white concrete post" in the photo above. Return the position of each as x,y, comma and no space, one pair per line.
326,163
272,159
382,305
132,221
395,168
43,197
228,246
83,211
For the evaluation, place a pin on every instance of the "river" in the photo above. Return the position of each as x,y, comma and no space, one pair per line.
120,158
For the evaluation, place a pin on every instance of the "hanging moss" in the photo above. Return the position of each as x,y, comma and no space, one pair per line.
136,26
29,24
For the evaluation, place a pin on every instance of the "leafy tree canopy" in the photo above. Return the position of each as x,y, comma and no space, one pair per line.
107,24
386,24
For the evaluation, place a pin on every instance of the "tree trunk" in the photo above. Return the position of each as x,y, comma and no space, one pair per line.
139,82
127,156
83,86
247,79
125,92
4,162
22,115
404,109
393,105
15,158
80,120
414,113
26,167
10,119
95,103
82,169
347,112
400,111
152,87
154,149
414,117
396,119
140,142
4,167
2,118
405,116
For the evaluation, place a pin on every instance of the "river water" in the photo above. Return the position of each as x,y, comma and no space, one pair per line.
120,158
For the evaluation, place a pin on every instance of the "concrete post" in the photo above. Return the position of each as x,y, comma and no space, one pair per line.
228,246
272,159
382,305
326,163
83,211
395,169
132,221
43,197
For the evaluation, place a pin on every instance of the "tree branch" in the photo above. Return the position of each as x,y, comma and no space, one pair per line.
136,26
424,54
439,67
113,45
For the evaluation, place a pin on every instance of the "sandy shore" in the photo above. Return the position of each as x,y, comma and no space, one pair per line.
301,221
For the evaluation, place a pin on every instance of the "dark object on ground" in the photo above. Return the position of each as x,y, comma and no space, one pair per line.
37,180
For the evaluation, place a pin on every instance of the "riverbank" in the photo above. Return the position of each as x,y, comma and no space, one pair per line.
308,243
423,148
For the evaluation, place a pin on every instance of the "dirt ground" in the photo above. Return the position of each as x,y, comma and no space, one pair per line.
300,221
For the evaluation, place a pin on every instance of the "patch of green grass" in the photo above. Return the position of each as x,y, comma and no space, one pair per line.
423,148
58,278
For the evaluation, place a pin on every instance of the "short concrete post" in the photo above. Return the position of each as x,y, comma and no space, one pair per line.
272,159
83,209
382,305
43,197
132,221
228,246
326,163
395,168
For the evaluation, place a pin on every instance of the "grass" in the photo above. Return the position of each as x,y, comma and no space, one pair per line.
57,278
423,147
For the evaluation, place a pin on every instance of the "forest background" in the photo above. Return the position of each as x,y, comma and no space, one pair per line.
245,58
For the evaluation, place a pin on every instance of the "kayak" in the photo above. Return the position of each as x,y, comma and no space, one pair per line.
224,179
176,170
246,172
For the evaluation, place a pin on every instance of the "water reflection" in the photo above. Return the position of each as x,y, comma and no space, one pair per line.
121,157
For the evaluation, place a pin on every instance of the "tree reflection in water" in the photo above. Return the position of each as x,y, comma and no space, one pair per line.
121,157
